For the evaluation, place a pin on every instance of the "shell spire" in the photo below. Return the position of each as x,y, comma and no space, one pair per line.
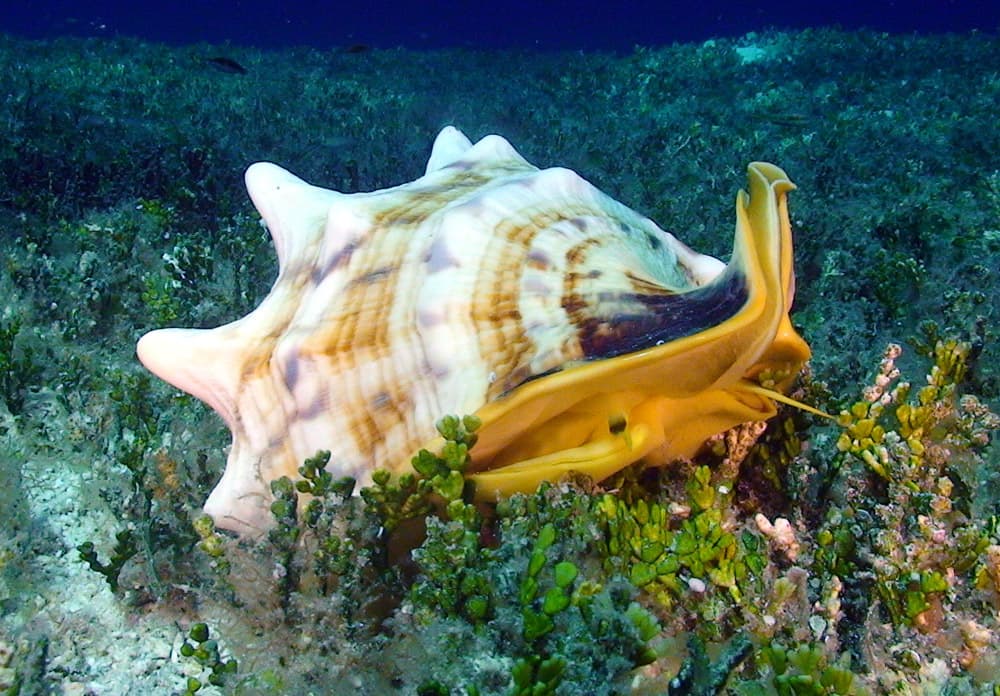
198,362
295,212
449,146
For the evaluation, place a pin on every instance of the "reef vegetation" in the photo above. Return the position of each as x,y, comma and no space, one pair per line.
799,556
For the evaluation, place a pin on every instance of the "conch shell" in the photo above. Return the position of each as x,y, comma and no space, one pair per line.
583,336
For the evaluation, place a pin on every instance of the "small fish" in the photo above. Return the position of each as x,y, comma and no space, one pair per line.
788,119
226,65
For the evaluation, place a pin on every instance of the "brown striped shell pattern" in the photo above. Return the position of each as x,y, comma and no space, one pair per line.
583,336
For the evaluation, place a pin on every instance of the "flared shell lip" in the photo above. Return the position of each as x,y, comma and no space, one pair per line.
614,373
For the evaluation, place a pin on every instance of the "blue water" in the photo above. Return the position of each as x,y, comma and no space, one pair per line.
543,24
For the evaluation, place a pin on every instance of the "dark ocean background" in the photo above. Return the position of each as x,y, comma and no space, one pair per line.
851,557
542,25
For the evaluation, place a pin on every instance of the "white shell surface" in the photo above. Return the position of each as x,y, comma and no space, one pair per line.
395,307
